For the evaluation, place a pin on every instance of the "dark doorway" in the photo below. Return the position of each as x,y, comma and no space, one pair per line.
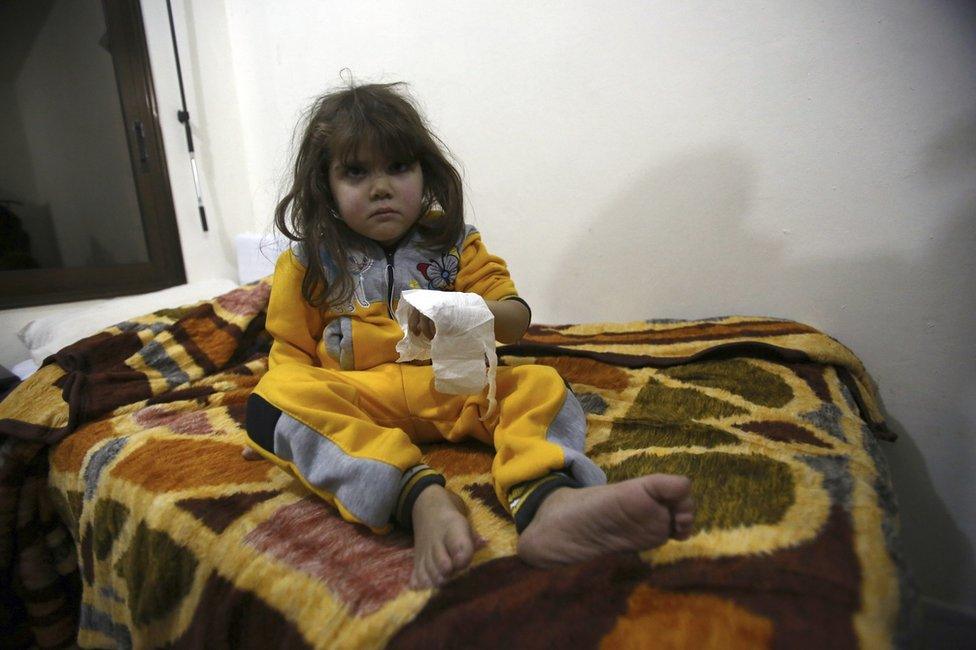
86,209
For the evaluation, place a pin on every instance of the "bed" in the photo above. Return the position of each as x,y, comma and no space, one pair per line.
130,518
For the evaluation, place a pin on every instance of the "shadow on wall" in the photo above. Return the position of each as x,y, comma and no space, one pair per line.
699,202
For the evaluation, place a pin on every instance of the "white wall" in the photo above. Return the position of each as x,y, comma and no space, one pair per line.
639,159
645,159
217,134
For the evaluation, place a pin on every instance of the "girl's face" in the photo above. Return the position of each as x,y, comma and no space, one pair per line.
377,197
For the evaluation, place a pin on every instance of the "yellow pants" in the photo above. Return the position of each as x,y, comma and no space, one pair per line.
351,435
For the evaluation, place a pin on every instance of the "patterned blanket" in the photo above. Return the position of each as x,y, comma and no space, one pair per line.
129,517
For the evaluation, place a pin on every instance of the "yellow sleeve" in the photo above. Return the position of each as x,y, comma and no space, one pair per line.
294,324
483,273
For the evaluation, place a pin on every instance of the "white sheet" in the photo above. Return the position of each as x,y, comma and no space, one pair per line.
256,256
25,369
45,336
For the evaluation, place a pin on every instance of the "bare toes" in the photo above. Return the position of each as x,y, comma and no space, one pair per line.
426,578
460,548
683,519
415,581
441,562
421,575
671,489
461,557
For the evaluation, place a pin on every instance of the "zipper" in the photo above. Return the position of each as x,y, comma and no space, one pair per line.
389,282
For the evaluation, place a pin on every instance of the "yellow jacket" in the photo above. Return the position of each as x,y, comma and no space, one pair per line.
364,334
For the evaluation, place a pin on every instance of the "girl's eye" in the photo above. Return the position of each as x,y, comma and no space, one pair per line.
399,167
354,171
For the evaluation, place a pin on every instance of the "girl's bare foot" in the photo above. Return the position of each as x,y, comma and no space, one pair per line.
443,543
573,525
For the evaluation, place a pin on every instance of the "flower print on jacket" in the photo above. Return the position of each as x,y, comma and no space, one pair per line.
441,275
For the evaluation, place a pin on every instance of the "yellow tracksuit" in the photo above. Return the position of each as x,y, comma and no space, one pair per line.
351,417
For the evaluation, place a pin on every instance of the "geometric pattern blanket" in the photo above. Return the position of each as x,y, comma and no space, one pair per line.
130,519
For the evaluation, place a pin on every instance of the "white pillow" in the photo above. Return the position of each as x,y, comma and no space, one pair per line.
45,336
25,369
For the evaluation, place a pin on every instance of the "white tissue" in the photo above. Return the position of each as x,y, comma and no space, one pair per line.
464,337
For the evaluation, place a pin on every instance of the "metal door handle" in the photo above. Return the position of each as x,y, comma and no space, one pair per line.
140,131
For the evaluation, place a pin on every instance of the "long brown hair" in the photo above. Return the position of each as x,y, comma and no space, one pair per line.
376,117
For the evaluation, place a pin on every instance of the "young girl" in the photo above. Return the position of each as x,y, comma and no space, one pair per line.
338,412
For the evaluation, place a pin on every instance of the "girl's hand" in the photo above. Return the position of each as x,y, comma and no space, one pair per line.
421,325
511,319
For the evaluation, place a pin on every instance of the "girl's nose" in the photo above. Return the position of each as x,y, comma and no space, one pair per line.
380,188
